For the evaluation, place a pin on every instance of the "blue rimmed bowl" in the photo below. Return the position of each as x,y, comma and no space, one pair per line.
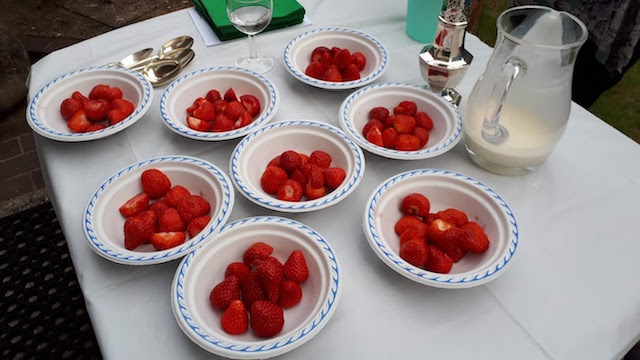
256,150
444,189
43,113
297,55
202,269
181,94
103,225
447,122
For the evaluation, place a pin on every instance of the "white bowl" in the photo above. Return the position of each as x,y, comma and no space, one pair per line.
184,91
103,224
297,55
444,190
447,128
202,269
43,114
253,153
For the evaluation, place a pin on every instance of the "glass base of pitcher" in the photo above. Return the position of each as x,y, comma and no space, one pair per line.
499,169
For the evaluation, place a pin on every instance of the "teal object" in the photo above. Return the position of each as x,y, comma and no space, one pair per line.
422,19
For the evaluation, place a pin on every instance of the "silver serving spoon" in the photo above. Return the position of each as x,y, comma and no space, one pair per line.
133,59
184,56
161,71
181,42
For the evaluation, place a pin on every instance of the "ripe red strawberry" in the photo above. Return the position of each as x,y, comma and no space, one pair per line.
78,122
298,176
333,177
213,95
453,216
304,158
266,319
234,110
272,178
251,103
77,95
290,294
192,206
438,261
295,268
415,204
475,239
251,290
223,294
150,217
374,136
100,91
244,120
197,224
155,183
175,194
389,137
170,221
406,108
95,127
379,113
289,161
372,123
235,320
115,116
198,125
404,124
196,104
359,60
412,233
159,207
423,120
422,134
315,176
447,238
167,240
414,252
135,205
343,59
351,73
220,106
318,53
320,158
205,112
124,105
230,96
332,74
312,193
315,70
239,270
222,123
388,122
69,107
408,221
274,162
335,50
270,274
114,93
290,190
256,253
407,142
137,231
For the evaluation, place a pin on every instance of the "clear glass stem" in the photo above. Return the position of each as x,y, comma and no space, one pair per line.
253,53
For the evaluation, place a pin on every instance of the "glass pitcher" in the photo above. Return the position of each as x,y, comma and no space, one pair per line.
518,109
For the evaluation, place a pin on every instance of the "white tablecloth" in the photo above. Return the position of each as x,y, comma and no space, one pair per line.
571,293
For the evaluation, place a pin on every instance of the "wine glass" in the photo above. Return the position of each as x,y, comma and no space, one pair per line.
251,17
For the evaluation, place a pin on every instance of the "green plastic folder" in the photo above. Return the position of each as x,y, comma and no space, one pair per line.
285,13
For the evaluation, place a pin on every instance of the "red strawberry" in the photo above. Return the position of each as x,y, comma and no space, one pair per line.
414,252
415,204
196,104
447,238
343,59
100,91
114,93
298,176
251,290
198,125
205,112
475,240
151,217
244,120
295,268
239,270
374,136
155,183
312,193
115,116
256,253
175,194
422,134
406,107
351,73
197,224
372,123
213,95
234,110
317,53
274,162
135,205
137,231
224,293
389,137
251,103
438,261
270,274
453,216
78,122
333,177
290,190
266,319
167,240
406,142
423,120
408,221
332,74
159,207
320,158
335,50
235,320
289,161
222,123
170,221
95,127
315,176
379,113
404,124
124,105
220,106
79,97
230,96
69,107
290,294
272,178
413,233
388,121
315,70
359,60
192,206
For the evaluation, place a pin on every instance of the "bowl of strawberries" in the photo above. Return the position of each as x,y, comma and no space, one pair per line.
297,166
441,228
401,121
157,210
336,58
218,103
266,286
89,104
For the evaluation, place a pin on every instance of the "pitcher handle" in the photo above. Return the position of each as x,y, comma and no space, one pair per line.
492,131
